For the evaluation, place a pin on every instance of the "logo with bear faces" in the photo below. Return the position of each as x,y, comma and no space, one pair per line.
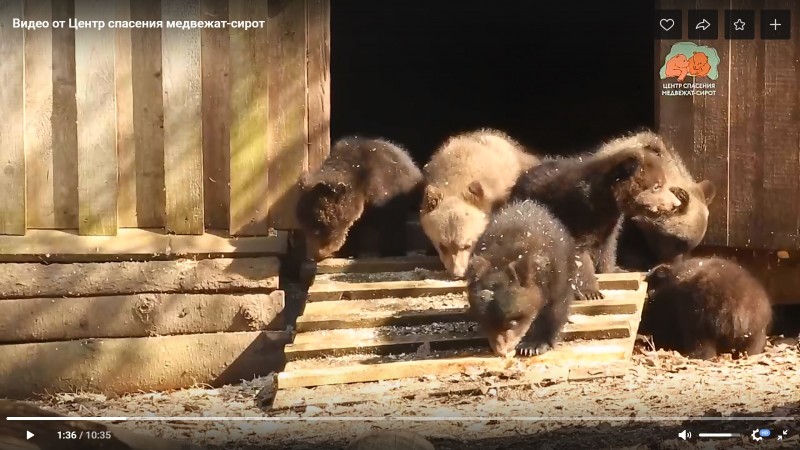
688,64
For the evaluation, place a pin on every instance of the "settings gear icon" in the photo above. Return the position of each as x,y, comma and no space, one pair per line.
755,436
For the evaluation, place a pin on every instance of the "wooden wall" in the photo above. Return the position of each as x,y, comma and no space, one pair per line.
746,138
184,130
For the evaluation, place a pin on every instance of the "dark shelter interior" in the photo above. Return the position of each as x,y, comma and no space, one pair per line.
558,76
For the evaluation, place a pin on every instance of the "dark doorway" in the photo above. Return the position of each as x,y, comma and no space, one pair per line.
559,76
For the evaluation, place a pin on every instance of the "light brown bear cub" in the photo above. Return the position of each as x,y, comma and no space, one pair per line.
702,307
466,179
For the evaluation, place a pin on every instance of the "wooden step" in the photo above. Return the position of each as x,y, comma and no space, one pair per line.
355,393
325,289
368,265
409,339
329,371
337,314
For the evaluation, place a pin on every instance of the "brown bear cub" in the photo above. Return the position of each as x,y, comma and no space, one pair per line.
467,178
656,237
359,200
590,194
702,307
521,279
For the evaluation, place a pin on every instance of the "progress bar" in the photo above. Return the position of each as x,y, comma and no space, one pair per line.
399,419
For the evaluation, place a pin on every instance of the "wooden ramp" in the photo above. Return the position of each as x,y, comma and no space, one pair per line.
402,318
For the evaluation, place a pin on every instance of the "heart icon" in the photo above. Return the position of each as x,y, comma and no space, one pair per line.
667,24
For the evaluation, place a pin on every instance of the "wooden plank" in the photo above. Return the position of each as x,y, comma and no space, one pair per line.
326,290
96,113
250,127
123,278
216,115
746,214
337,290
39,165
416,311
133,243
367,265
183,119
674,114
64,120
781,96
344,341
319,81
120,366
148,116
126,144
12,100
409,388
564,354
709,154
288,135
139,315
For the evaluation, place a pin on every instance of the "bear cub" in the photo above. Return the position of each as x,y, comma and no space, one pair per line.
468,178
359,200
590,194
521,278
702,307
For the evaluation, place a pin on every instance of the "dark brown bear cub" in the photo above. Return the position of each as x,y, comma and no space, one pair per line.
359,200
521,278
702,307
590,194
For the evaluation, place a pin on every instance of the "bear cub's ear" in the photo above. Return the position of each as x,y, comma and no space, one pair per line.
658,273
708,189
333,189
431,199
628,167
478,266
475,193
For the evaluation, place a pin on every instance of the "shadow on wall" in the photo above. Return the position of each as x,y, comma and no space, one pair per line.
557,76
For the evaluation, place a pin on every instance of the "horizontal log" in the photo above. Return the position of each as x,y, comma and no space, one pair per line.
294,398
126,277
346,341
572,353
120,366
337,314
138,315
133,244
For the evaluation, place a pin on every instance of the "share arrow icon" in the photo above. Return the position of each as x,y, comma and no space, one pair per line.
702,25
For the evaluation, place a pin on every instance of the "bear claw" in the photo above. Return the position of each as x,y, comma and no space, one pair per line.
533,349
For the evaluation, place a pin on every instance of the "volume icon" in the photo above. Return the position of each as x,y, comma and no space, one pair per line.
685,435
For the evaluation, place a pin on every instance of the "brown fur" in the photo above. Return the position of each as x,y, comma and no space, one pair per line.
654,237
467,178
702,307
521,278
362,194
590,194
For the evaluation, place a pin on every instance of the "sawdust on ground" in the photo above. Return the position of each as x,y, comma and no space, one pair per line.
658,384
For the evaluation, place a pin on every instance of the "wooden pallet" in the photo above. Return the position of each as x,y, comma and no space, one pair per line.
386,319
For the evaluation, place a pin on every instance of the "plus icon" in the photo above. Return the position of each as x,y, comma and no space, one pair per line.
776,24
